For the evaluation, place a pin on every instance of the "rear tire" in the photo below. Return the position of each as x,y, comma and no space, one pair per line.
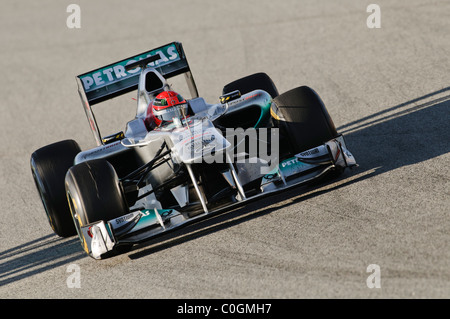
257,81
303,119
49,166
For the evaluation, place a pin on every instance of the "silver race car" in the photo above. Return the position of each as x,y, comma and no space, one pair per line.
180,160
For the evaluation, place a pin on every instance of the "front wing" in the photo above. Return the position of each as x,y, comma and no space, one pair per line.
100,238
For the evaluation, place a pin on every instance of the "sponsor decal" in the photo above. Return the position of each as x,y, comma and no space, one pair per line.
293,166
308,153
116,72
289,162
90,153
120,221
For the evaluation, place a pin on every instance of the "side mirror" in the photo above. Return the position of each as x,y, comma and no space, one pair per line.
230,97
112,138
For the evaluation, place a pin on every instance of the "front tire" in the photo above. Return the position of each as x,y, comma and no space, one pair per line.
94,194
302,117
95,186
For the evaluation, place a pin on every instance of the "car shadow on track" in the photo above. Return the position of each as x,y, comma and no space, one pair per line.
405,134
409,133
37,256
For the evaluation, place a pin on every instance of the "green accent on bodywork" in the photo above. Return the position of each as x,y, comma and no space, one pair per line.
292,166
109,230
265,114
148,217
288,167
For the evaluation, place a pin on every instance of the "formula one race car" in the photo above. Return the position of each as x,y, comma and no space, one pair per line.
180,160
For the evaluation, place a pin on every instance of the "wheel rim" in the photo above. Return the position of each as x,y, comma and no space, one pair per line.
77,221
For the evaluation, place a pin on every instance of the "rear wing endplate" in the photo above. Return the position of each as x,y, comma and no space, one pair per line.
118,78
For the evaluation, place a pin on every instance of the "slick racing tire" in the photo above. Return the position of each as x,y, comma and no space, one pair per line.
303,119
95,188
257,81
94,194
49,166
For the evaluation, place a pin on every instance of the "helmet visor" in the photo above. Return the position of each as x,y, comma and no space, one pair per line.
178,111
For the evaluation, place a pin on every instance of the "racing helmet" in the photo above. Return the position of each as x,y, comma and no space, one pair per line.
168,105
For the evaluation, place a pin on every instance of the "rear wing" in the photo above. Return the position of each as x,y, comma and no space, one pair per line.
117,78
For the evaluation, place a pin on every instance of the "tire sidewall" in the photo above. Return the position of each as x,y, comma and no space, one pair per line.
49,165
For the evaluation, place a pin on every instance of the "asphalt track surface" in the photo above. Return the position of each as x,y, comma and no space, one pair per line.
387,89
